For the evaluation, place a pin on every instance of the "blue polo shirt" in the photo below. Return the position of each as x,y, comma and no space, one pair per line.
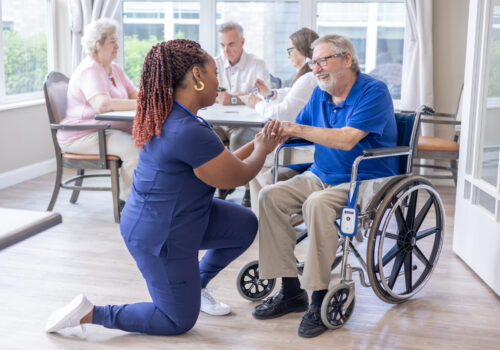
368,107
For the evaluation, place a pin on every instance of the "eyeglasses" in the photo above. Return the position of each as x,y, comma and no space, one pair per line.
323,60
289,50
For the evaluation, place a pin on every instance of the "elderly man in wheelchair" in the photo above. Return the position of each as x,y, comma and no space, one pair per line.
358,140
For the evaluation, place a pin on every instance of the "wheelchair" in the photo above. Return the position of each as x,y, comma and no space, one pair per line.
403,222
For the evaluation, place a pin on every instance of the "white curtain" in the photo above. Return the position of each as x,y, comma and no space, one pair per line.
82,12
417,80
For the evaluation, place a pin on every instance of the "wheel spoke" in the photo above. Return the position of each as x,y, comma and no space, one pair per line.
391,254
400,220
412,206
427,232
391,235
421,256
408,272
398,263
423,212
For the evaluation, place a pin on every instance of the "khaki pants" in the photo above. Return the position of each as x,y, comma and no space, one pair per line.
118,143
320,205
265,176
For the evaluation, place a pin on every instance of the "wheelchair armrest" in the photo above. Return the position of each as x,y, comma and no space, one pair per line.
296,142
385,151
80,127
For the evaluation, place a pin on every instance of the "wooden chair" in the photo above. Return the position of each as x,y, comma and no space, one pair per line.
275,82
55,89
439,148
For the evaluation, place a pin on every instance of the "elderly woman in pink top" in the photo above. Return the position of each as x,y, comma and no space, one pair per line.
97,86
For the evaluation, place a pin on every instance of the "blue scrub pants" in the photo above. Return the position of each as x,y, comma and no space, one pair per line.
174,283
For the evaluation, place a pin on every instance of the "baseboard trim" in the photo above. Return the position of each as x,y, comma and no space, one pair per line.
16,176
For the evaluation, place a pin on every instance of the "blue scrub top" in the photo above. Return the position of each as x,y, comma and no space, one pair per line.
168,203
368,107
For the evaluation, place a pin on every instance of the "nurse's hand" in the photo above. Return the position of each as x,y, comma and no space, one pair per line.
269,137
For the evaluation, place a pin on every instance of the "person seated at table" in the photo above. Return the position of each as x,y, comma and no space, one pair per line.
171,213
236,71
285,104
99,85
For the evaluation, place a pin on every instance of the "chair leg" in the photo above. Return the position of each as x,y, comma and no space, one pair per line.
115,189
57,186
454,166
78,182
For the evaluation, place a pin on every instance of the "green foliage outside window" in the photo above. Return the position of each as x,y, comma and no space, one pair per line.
135,50
25,62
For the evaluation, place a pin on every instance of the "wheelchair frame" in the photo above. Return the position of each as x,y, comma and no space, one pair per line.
399,192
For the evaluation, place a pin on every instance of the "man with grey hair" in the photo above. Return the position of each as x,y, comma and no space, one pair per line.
347,113
236,72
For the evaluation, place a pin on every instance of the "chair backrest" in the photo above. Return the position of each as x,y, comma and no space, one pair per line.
275,82
56,89
407,124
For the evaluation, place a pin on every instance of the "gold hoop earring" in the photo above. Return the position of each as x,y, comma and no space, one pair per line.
202,86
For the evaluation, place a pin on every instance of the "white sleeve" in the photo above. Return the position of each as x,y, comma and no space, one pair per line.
291,104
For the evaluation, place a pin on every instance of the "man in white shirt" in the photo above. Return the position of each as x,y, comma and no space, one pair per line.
236,72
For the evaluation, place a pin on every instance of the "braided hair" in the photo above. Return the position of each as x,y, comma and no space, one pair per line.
164,69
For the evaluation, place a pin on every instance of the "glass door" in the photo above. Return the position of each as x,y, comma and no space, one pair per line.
477,218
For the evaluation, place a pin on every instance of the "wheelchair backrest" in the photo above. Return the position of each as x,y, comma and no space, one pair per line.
407,124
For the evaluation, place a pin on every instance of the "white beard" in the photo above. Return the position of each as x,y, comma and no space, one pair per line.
328,84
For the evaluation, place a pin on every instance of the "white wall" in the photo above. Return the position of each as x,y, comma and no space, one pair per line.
449,43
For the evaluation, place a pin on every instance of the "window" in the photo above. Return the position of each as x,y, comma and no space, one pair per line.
267,26
377,32
145,23
23,49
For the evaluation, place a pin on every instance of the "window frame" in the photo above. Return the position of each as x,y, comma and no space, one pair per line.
207,28
29,98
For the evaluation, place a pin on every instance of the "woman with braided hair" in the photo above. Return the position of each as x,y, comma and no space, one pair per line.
171,212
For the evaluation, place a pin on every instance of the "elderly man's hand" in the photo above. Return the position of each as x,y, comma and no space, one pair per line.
253,100
290,128
224,98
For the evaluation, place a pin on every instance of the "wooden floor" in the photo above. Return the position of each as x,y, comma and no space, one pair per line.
85,254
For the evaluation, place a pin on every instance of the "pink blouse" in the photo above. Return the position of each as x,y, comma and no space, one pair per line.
89,80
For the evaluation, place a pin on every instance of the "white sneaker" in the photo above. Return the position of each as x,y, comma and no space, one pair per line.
69,315
211,306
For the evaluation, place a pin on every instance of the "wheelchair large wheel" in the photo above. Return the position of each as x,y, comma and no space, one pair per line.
405,239
333,314
250,286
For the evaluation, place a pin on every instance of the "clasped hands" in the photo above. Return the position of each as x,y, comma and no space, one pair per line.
273,134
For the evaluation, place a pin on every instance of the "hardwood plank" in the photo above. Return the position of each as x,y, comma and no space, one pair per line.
86,254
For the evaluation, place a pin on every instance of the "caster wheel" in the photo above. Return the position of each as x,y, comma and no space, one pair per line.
333,312
250,286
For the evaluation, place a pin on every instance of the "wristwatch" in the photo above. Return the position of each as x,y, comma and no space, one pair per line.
269,97
234,100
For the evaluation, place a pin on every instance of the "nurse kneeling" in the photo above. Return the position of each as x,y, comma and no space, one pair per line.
171,213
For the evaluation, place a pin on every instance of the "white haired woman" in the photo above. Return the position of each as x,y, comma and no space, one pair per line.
99,85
